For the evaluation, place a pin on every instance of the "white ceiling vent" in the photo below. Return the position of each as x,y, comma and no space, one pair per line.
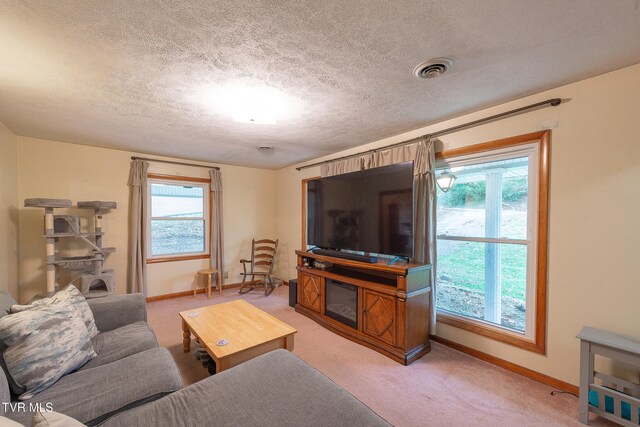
433,68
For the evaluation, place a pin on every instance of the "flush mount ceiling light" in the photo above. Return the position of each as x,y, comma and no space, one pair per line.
251,104
433,68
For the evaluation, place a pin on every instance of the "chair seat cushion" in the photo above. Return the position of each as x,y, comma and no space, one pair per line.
120,343
275,389
93,395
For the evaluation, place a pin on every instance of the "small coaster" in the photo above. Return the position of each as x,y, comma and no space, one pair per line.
222,342
193,315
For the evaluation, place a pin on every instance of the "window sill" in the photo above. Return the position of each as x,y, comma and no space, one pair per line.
177,258
491,332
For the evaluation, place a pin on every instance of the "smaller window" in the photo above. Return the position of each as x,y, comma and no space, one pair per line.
178,218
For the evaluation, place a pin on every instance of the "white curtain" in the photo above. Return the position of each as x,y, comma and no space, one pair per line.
137,282
422,153
216,240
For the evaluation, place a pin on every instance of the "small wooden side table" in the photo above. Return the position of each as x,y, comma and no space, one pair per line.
623,395
209,273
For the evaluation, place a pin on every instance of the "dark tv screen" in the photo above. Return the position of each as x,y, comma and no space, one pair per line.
369,211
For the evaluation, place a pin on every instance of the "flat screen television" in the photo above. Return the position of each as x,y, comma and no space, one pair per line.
368,211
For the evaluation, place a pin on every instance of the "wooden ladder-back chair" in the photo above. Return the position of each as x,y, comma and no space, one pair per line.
263,254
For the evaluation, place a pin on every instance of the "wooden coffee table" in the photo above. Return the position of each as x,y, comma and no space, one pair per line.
249,330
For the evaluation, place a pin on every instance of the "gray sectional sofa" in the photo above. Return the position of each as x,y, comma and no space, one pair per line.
133,382
129,369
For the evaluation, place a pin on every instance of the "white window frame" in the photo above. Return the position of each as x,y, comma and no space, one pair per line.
180,181
536,148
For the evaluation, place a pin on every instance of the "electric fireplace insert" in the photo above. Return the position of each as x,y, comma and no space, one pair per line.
341,302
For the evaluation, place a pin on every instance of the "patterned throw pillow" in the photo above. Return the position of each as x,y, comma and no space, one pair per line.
44,343
71,295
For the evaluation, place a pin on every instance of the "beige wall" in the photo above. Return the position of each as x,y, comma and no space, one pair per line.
8,211
60,170
594,237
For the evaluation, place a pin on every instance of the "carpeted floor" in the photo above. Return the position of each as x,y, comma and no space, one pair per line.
443,388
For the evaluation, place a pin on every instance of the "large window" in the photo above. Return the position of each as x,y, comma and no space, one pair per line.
491,227
179,218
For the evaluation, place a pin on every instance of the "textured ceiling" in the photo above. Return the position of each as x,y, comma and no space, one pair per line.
130,75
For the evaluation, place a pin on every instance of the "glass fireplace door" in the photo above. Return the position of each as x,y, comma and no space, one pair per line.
341,302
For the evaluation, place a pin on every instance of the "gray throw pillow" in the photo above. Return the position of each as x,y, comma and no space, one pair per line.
72,295
44,344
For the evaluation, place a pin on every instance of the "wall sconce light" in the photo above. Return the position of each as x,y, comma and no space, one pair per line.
445,180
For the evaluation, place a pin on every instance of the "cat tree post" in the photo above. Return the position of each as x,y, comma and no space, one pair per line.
50,250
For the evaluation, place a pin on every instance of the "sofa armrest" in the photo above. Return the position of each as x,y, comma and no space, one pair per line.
114,311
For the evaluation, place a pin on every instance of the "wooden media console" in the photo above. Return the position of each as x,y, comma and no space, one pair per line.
384,307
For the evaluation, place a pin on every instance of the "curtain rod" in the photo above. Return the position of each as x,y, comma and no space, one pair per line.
174,163
554,102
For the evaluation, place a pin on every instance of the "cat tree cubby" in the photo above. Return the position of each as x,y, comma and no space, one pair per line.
93,279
